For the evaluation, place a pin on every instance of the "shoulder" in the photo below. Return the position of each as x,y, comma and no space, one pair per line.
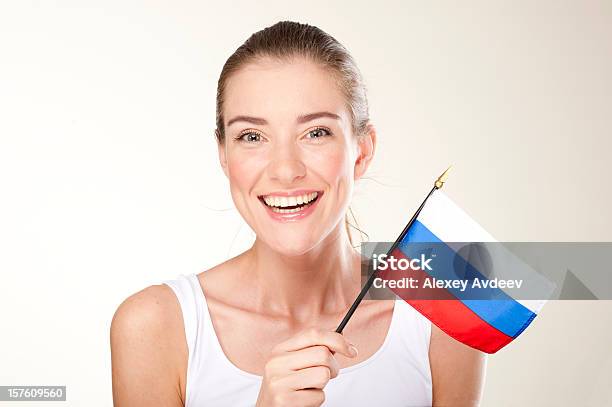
449,357
151,310
148,348
446,348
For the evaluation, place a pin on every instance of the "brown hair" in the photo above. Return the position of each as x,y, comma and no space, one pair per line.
286,40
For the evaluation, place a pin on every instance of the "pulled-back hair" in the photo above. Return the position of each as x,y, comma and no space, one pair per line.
286,40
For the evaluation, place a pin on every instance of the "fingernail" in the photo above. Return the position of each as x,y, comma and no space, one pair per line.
353,350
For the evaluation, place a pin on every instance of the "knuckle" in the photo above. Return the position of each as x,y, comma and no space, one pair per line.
316,398
322,376
323,354
334,370
331,359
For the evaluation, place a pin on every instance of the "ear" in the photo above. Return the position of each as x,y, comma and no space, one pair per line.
222,153
366,145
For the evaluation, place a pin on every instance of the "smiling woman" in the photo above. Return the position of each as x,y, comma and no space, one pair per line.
290,126
293,136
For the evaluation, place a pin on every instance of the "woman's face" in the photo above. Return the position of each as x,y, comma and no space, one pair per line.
289,152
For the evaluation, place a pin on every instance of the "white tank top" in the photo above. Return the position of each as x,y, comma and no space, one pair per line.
397,374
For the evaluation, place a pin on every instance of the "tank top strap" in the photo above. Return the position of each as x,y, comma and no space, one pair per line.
199,331
418,329
411,338
187,299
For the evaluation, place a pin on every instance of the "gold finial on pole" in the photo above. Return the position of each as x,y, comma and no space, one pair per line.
442,178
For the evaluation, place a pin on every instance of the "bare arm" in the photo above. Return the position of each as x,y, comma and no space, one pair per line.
148,350
457,371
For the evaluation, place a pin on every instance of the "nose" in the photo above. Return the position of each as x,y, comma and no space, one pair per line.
286,165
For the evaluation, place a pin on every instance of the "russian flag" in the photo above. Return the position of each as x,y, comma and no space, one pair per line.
485,318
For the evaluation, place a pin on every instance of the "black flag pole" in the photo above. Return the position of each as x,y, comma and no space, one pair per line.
437,185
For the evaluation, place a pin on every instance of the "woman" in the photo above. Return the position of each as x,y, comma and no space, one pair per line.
293,135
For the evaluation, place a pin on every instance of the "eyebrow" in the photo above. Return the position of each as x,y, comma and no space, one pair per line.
301,119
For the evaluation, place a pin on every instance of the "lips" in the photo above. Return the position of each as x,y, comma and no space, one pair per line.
290,205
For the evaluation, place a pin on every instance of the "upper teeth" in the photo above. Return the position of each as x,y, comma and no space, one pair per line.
284,201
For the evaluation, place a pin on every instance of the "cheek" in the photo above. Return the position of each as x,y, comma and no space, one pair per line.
335,167
244,170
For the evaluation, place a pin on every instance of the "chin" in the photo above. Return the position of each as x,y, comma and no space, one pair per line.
289,247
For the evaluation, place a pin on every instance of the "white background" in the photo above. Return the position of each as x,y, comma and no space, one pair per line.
110,181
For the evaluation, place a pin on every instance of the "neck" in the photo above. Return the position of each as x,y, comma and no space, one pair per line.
325,280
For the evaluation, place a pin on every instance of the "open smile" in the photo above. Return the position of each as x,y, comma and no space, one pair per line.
290,206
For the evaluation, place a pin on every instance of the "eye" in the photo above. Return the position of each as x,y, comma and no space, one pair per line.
249,137
318,133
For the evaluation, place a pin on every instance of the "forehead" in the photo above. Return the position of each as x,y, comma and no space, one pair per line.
279,91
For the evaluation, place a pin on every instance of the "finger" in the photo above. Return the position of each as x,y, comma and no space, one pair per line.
317,355
302,398
310,378
309,397
311,337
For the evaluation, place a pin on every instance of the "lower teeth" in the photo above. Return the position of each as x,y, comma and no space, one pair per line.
280,210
